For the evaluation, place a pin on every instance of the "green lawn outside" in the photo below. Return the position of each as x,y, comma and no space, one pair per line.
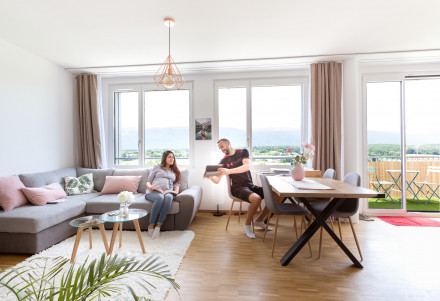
412,205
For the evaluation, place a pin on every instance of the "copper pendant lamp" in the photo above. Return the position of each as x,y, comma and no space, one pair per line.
168,76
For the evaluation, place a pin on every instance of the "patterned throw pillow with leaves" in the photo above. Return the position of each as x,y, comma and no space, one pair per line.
80,185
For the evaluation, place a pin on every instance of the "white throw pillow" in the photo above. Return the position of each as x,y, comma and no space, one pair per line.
80,185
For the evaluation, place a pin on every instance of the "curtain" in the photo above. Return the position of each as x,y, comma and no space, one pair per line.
89,136
326,92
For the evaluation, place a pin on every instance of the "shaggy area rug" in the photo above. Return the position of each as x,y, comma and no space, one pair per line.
170,247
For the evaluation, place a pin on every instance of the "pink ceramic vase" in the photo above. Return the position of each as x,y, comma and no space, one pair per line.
297,172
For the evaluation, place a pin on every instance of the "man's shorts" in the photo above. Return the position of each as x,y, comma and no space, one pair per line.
244,192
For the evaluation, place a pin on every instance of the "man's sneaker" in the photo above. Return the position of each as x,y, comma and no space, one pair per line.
249,232
262,225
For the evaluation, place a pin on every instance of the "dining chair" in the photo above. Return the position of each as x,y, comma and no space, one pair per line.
235,199
346,209
281,209
329,173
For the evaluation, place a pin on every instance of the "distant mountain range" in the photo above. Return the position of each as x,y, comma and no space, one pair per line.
178,137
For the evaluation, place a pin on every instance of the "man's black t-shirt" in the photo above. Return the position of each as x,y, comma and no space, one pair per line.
236,160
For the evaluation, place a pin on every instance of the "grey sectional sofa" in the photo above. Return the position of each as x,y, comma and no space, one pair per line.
30,229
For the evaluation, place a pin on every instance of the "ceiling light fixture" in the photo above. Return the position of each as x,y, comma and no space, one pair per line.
168,75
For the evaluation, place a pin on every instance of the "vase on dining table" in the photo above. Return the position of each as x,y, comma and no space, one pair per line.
298,172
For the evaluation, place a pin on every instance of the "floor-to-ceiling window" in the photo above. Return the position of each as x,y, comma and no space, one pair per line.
264,116
148,121
403,143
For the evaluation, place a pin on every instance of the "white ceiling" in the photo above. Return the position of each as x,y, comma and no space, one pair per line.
100,33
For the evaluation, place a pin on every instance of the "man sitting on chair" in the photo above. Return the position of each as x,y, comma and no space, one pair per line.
237,165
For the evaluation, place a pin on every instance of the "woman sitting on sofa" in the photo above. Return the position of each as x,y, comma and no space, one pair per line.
162,186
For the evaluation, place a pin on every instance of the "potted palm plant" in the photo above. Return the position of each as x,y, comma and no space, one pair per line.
100,277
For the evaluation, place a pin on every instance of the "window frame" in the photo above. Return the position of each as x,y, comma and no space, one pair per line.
302,81
141,88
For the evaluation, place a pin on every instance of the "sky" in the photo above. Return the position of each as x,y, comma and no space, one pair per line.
422,110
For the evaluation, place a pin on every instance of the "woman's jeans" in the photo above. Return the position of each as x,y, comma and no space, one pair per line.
161,206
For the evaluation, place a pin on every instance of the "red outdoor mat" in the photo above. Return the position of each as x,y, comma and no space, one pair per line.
410,221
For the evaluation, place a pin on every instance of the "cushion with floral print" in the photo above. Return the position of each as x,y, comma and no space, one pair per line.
80,185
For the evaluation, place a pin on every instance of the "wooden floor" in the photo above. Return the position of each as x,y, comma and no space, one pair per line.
400,263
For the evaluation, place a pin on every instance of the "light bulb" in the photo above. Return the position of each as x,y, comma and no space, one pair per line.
169,81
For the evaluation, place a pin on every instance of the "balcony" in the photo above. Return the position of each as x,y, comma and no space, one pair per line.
419,197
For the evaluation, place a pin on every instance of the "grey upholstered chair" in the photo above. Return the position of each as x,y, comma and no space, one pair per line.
347,209
281,209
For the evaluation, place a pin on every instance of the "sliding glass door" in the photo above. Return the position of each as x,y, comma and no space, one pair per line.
422,122
403,143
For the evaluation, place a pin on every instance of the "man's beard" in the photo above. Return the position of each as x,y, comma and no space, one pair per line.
227,152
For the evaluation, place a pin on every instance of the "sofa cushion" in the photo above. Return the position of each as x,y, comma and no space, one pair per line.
98,176
143,172
109,202
117,184
80,185
44,178
33,219
41,195
183,180
11,195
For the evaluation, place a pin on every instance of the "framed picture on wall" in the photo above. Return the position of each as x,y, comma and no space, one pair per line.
203,129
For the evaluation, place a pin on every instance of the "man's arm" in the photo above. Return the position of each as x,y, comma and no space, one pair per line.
244,168
216,179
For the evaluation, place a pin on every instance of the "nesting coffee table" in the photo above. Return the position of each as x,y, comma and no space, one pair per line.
118,220
88,222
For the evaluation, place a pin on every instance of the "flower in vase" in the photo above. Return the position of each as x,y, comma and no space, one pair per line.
302,157
126,197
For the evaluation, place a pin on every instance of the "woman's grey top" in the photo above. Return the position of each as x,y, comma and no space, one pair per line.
162,178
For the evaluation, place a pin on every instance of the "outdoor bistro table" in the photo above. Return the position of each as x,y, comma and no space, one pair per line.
396,178
337,194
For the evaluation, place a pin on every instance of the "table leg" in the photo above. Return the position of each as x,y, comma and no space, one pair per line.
325,214
114,233
120,236
90,237
138,231
104,238
319,221
77,240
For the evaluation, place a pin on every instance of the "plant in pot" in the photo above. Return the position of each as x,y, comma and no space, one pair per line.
100,277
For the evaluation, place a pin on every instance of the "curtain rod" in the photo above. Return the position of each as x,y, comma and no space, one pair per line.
256,59
423,76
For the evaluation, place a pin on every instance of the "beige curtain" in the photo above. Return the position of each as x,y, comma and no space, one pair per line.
326,89
89,137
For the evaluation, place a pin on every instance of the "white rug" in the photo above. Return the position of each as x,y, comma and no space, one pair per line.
171,247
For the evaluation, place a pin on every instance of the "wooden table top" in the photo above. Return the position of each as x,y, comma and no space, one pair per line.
340,189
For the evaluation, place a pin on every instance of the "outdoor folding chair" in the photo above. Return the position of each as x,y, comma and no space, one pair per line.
378,185
432,186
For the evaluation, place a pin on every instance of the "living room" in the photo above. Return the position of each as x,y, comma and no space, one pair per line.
217,47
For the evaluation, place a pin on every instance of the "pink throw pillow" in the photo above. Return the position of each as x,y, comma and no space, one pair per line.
10,193
41,195
116,184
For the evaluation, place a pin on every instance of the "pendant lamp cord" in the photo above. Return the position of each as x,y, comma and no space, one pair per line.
169,39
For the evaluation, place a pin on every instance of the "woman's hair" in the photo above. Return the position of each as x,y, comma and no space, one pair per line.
173,167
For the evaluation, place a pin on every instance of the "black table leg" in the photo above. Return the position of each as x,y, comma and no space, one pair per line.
319,221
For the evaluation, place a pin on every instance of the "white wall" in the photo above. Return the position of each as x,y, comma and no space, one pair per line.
36,113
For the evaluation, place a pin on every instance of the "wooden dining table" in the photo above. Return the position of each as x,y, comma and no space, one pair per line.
339,191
